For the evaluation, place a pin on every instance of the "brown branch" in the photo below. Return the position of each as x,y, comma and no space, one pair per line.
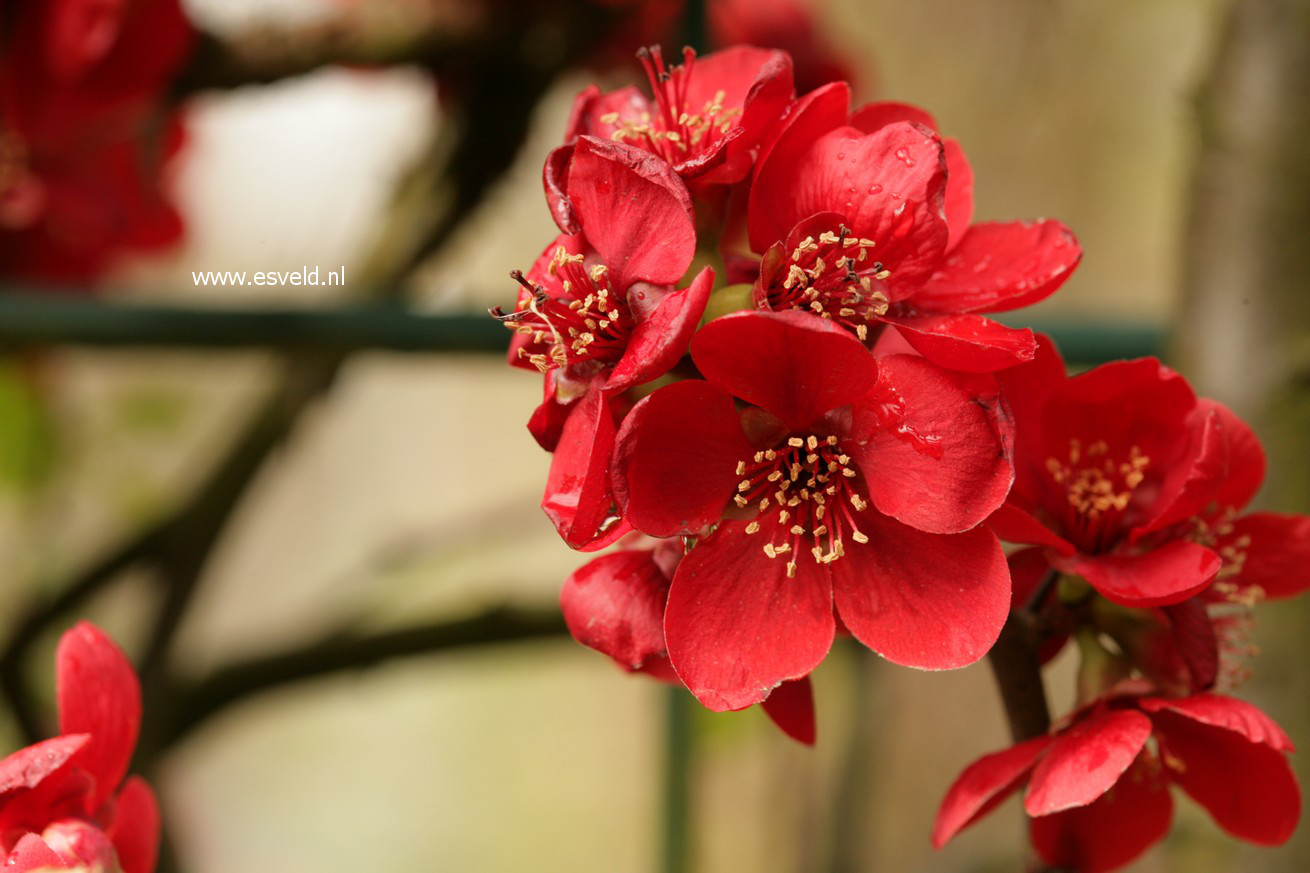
189,704
1017,667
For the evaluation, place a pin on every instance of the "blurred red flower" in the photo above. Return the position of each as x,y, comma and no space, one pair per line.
84,136
845,482
64,802
789,25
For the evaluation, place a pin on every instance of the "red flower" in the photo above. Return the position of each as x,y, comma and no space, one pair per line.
706,120
615,605
864,219
784,24
1130,481
63,802
1098,788
80,178
598,315
839,478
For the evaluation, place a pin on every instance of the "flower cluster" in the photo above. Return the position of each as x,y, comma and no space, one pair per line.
768,371
64,803
820,461
84,134
1131,491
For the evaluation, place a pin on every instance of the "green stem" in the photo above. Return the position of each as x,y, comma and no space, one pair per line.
675,844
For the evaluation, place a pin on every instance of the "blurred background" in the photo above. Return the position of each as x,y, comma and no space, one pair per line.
357,499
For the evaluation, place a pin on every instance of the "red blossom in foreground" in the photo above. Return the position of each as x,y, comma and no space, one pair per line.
615,605
598,314
706,120
863,218
63,802
1097,789
846,483
1128,480
83,140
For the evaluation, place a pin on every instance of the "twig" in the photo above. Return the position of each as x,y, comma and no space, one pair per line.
1039,594
1017,668
190,704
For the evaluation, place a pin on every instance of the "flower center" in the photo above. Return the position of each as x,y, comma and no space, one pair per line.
1097,488
589,322
810,484
833,278
1217,533
678,130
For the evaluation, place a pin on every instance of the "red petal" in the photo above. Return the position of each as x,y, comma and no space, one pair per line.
959,194
1015,525
1246,459
32,854
29,767
582,117
660,669
578,499
875,116
1086,760
547,421
615,605
135,831
1126,821
1169,574
1247,787
934,458
98,694
590,106
634,210
793,364
791,706
1191,484
890,186
1029,387
923,600
80,33
1277,550
661,340
982,786
1124,403
967,342
555,179
1228,713
758,82
737,626
818,112
999,266
675,463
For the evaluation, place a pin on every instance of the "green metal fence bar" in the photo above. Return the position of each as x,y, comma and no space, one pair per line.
30,319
